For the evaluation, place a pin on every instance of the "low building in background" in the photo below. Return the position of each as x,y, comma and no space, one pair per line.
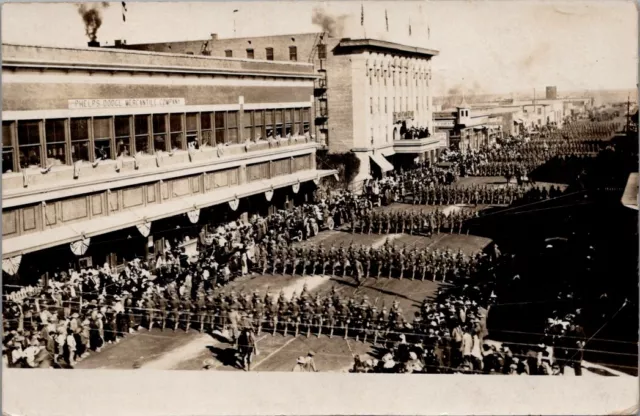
108,153
470,129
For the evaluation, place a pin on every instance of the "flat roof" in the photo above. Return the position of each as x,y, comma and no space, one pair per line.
122,59
385,45
212,39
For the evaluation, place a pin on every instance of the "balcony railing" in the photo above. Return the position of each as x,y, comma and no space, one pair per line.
435,140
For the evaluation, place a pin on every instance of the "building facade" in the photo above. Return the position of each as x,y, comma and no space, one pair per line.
366,93
470,129
108,145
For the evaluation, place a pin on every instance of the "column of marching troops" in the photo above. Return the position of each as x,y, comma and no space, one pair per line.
586,130
361,262
411,222
303,314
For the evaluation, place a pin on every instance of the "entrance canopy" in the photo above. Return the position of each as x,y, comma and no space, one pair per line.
383,163
630,195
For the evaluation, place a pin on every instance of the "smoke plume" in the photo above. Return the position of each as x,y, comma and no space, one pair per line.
92,18
333,25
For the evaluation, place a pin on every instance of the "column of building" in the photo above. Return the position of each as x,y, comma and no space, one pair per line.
385,118
376,102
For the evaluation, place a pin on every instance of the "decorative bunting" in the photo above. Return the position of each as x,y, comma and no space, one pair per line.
11,265
269,194
296,187
233,204
80,247
144,228
194,216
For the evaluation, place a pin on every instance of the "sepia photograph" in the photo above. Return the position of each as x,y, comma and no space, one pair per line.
444,188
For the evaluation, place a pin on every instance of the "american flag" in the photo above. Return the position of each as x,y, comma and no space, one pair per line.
386,19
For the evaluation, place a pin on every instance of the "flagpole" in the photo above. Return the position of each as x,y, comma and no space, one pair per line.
364,28
234,22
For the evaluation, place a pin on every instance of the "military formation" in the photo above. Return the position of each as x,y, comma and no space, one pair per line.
411,222
586,130
362,261
315,315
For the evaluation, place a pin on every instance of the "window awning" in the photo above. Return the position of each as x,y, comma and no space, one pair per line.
383,163
132,217
630,195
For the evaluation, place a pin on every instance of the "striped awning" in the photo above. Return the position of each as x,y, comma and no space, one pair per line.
383,163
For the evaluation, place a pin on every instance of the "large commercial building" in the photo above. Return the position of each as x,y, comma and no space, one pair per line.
367,91
107,152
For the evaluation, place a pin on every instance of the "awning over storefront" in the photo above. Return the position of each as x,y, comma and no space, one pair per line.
383,163
630,195
387,151
132,217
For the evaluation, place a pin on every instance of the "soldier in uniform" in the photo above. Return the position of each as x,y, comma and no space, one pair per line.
175,311
187,311
401,261
161,303
201,309
318,315
150,310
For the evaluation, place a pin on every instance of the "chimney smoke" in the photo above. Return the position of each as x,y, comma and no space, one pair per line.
333,25
92,17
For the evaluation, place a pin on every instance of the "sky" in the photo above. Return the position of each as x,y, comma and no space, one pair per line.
485,46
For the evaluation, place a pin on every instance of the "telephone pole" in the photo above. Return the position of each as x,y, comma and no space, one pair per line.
628,112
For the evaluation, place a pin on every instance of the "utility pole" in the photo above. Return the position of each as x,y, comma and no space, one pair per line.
628,112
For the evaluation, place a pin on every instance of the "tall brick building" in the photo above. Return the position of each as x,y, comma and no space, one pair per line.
116,150
366,93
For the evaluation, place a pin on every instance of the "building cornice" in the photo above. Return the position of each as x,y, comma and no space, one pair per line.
386,46
61,65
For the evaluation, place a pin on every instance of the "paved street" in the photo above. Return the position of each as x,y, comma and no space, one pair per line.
187,351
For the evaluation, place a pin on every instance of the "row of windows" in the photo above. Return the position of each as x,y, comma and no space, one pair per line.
373,108
293,53
396,77
42,143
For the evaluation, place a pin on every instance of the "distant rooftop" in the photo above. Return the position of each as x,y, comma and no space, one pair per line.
384,45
